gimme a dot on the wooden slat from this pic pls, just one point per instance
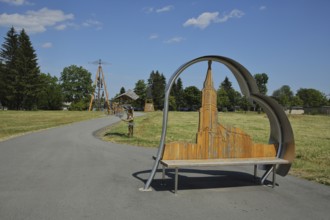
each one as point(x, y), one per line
point(223, 162)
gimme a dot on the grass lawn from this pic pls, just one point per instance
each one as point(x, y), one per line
point(311, 132)
point(13, 123)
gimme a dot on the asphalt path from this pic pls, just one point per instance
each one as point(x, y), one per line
point(68, 173)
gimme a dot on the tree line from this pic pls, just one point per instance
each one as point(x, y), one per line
point(24, 87)
point(228, 99)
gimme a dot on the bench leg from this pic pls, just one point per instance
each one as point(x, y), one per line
point(266, 174)
point(176, 180)
point(274, 175)
point(163, 176)
point(255, 171)
point(271, 169)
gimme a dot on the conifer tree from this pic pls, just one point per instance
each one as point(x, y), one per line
point(19, 72)
point(158, 83)
point(28, 73)
point(141, 90)
point(8, 71)
point(177, 95)
point(227, 96)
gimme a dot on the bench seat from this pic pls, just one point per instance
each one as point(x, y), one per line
point(176, 164)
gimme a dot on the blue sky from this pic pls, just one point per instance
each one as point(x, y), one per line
point(287, 40)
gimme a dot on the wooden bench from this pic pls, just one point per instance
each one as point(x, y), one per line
point(176, 164)
point(220, 145)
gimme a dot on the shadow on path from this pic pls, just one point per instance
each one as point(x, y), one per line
point(200, 179)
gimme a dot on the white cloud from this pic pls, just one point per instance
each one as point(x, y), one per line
point(261, 8)
point(61, 27)
point(35, 21)
point(47, 45)
point(174, 40)
point(165, 9)
point(153, 36)
point(206, 18)
point(16, 2)
point(203, 20)
point(149, 10)
point(92, 23)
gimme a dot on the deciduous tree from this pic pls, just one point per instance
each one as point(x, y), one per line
point(193, 97)
point(261, 80)
point(50, 95)
point(77, 86)
point(312, 97)
point(284, 96)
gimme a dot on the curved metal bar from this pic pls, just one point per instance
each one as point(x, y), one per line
point(279, 124)
point(281, 131)
point(165, 118)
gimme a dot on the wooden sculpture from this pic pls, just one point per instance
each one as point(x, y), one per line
point(213, 140)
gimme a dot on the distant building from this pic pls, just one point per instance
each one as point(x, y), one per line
point(324, 110)
point(295, 110)
point(127, 97)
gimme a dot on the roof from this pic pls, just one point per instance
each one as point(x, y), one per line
point(129, 94)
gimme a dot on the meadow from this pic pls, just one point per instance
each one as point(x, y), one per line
point(15, 123)
point(311, 132)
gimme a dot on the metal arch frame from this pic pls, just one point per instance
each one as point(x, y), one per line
point(280, 128)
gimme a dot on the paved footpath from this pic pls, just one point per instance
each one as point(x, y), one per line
point(66, 173)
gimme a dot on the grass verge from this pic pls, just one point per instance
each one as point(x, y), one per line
point(311, 132)
point(14, 123)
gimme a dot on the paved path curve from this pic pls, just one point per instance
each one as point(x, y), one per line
point(66, 173)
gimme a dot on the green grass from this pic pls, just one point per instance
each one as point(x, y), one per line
point(311, 132)
point(14, 123)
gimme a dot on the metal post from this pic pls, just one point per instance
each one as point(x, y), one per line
point(176, 180)
point(255, 172)
point(163, 175)
point(264, 177)
point(274, 175)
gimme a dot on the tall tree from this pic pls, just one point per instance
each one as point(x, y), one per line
point(193, 97)
point(312, 97)
point(141, 90)
point(222, 99)
point(50, 95)
point(296, 101)
point(245, 104)
point(228, 97)
point(172, 101)
point(179, 94)
point(157, 83)
point(28, 73)
point(122, 90)
point(77, 86)
point(3, 100)
point(284, 96)
point(261, 80)
point(8, 73)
